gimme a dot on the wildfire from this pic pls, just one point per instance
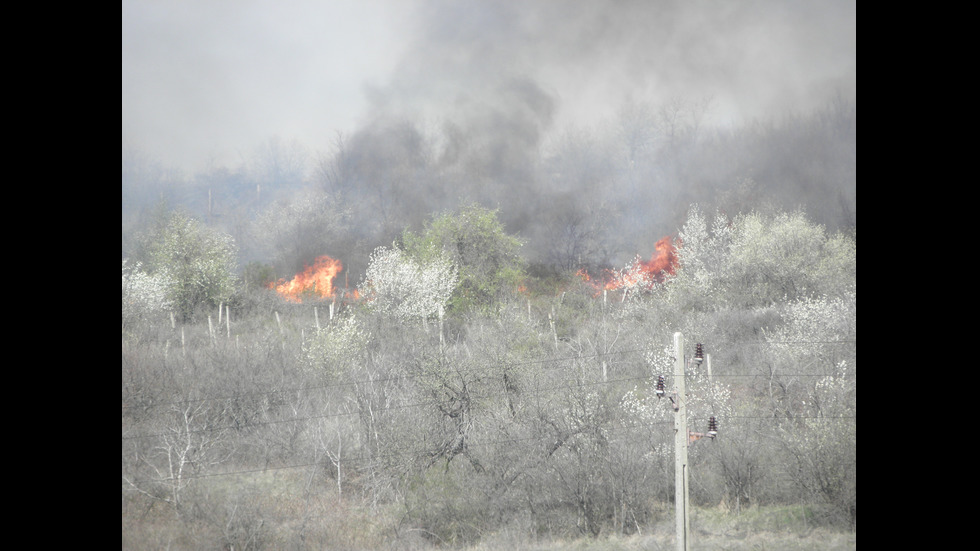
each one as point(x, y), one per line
point(663, 262)
point(640, 273)
point(316, 280)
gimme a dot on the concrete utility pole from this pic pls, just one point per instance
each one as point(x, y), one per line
point(680, 447)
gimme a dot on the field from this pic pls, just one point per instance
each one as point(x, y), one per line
point(483, 416)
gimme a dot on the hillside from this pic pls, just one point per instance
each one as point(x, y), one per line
point(458, 399)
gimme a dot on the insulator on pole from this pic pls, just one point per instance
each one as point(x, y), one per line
point(699, 354)
point(660, 387)
point(712, 427)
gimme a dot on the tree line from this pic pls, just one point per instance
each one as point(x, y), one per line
point(577, 197)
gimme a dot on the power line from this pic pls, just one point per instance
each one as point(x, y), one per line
point(512, 363)
point(534, 391)
point(456, 371)
point(407, 451)
point(407, 376)
point(400, 452)
point(527, 391)
point(438, 402)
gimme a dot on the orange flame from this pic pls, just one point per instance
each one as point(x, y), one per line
point(316, 280)
point(662, 263)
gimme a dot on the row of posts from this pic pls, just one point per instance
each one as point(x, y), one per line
point(226, 312)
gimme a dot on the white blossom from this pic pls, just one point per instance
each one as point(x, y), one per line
point(143, 294)
point(197, 261)
point(336, 345)
point(403, 287)
point(812, 328)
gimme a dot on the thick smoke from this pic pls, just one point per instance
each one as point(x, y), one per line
point(591, 125)
point(756, 59)
point(585, 122)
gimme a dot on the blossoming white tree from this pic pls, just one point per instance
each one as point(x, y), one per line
point(143, 295)
point(406, 288)
point(198, 262)
point(338, 346)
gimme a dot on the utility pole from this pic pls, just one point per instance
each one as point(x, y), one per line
point(681, 439)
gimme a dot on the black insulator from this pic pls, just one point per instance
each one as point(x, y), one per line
point(699, 353)
point(660, 386)
point(712, 426)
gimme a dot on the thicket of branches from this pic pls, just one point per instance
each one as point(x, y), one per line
point(270, 424)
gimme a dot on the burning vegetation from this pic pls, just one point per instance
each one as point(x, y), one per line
point(314, 281)
point(642, 274)
point(317, 281)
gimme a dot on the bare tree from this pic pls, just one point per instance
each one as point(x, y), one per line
point(184, 450)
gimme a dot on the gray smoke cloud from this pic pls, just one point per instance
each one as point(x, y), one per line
point(569, 116)
point(754, 58)
point(203, 80)
point(209, 81)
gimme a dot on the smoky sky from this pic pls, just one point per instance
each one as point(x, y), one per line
point(207, 81)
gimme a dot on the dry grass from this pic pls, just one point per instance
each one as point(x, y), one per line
point(265, 510)
point(816, 540)
point(327, 522)
point(285, 510)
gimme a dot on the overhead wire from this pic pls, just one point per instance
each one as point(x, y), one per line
point(428, 403)
point(381, 380)
point(729, 419)
point(414, 451)
point(532, 391)
point(511, 363)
